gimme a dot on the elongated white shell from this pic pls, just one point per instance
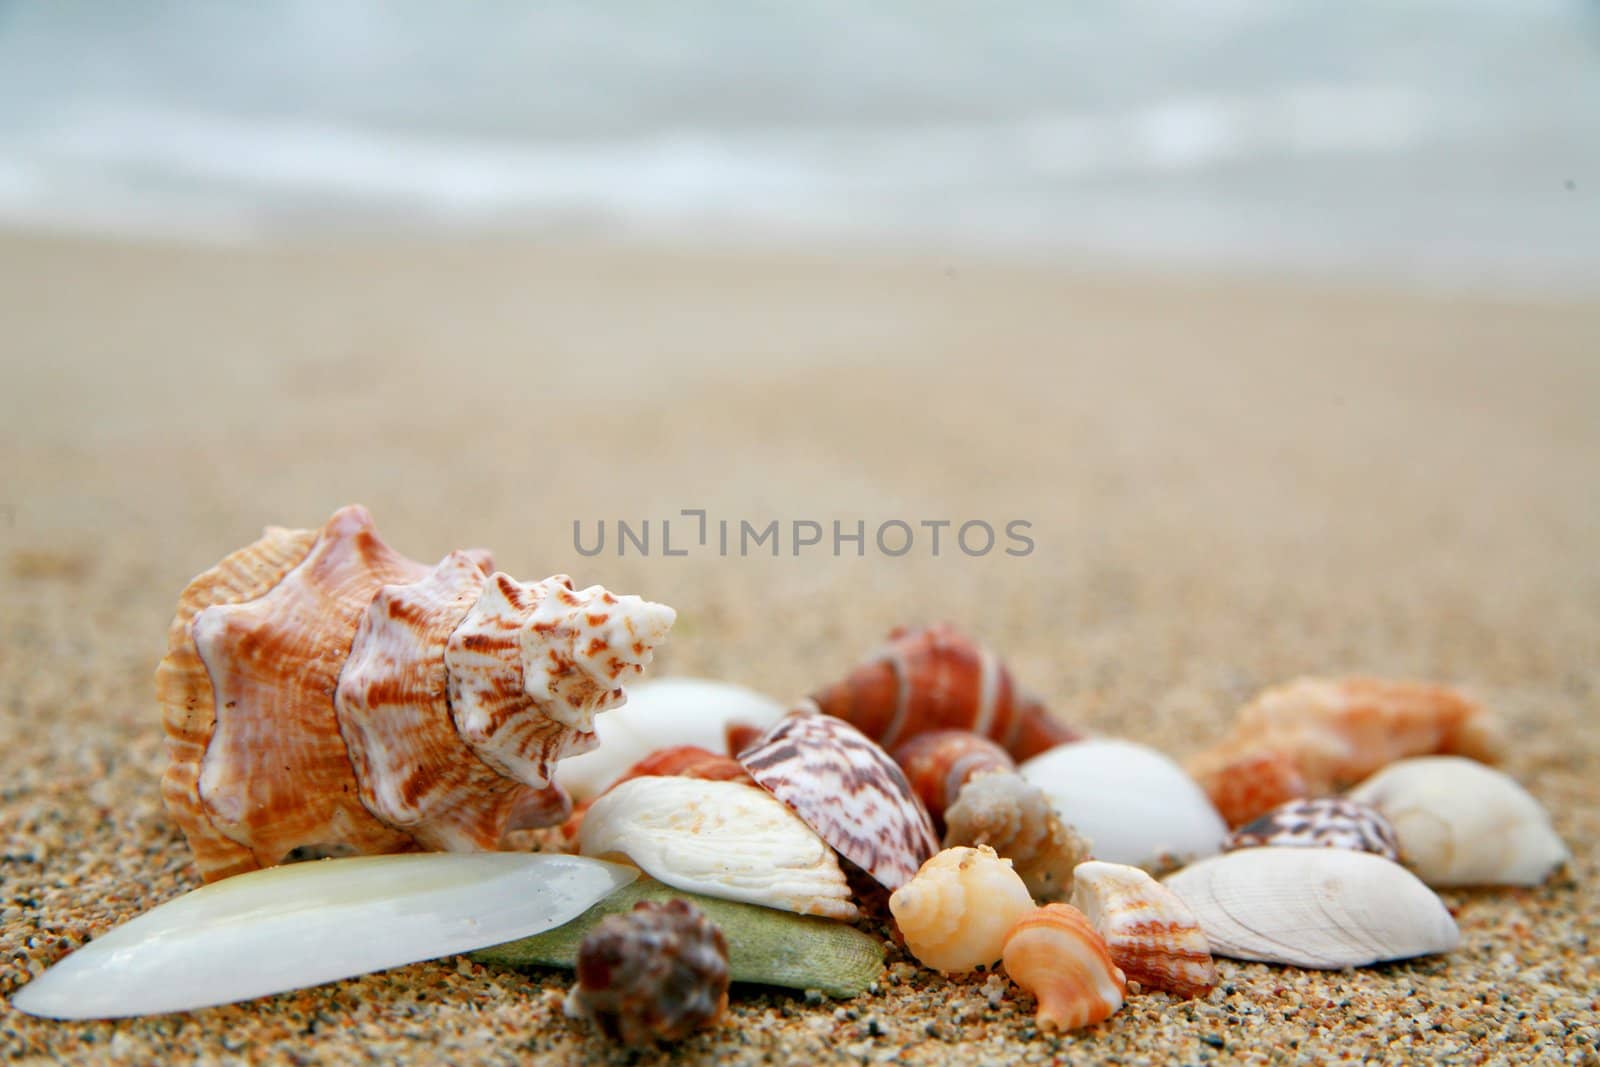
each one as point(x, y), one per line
point(1134, 804)
point(305, 924)
point(723, 839)
point(1324, 908)
point(1461, 823)
point(662, 714)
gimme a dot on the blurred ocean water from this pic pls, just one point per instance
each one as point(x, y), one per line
point(1445, 142)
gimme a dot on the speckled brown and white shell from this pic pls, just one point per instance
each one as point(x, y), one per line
point(324, 695)
point(1326, 822)
point(848, 790)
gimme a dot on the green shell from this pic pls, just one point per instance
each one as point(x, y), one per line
point(764, 945)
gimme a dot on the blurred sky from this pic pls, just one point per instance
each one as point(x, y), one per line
point(1442, 141)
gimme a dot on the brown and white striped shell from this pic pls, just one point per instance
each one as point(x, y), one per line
point(1316, 736)
point(937, 678)
point(848, 790)
point(324, 695)
point(1325, 822)
point(1152, 935)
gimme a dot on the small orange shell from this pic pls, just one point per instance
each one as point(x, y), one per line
point(938, 764)
point(1245, 784)
point(1333, 733)
point(1152, 935)
point(1056, 955)
point(939, 679)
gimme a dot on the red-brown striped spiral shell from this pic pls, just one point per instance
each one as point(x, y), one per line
point(938, 764)
point(937, 678)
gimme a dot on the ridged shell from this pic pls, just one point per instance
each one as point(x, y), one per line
point(938, 764)
point(1153, 937)
point(184, 691)
point(848, 790)
point(685, 761)
point(1015, 818)
point(955, 913)
point(723, 839)
point(313, 708)
point(1335, 732)
point(1136, 805)
point(663, 714)
point(1056, 955)
point(1326, 822)
point(937, 678)
point(1461, 823)
point(1323, 908)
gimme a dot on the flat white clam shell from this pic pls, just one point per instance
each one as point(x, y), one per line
point(1462, 823)
point(305, 924)
point(1135, 805)
point(660, 714)
point(1323, 908)
point(723, 839)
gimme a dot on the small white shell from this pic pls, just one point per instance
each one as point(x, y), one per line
point(1461, 823)
point(662, 714)
point(723, 839)
point(1134, 804)
point(1324, 908)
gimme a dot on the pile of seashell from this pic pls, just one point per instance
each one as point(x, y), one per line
point(325, 696)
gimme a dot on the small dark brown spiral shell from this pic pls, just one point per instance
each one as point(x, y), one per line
point(937, 678)
point(658, 973)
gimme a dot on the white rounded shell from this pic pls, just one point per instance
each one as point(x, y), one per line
point(661, 714)
point(1324, 908)
point(1462, 823)
point(723, 839)
point(956, 912)
point(1134, 804)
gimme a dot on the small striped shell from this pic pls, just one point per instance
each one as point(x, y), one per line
point(848, 790)
point(938, 678)
point(1326, 822)
point(955, 913)
point(938, 764)
point(723, 839)
point(1055, 954)
point(1153, 936)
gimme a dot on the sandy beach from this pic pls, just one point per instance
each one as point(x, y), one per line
point(1226, 484)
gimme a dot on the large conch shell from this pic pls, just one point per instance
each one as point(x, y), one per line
point(324, 695)
point(938, 678)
